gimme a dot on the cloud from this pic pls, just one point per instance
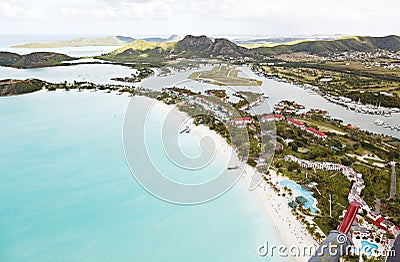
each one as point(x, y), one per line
point(103, 12)
point(203, 16)
point(11, 10)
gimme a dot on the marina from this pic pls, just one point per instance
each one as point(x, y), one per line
point(362, 108)
point(381, 123)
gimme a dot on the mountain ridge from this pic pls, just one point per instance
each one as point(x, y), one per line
point(204, 47)
point(355, 43)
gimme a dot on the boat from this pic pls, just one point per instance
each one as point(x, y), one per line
point(233, 167)
point(379, 122)
point(186, 130)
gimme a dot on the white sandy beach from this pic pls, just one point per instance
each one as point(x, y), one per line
point(275, 208)
point(226, 152)
point(278, 213)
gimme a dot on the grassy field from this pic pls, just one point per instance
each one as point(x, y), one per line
point(359, 66)
point(353, 79)
point(224, 76)
point(142, 45)
point(269, 44)
point(324, 127)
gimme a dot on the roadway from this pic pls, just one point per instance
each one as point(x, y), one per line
point(393, 185)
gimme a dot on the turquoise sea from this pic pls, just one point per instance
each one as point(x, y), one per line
point(66, 192)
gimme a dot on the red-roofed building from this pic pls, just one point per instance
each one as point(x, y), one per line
point(296, 123)
point(379, 221)
point(242, 122)
point(272, 118)
point(316, 132)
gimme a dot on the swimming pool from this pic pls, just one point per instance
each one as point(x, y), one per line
point(367, 247)
point(299, 191)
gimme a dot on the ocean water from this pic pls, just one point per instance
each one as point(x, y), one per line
point(66, 192)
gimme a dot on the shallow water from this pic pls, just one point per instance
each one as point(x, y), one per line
point(66, 192)
point(95, 73)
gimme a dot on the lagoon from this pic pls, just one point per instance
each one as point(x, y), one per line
point(67, 193)
point(95, 73)
point(277, 91)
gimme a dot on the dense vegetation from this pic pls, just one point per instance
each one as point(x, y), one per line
point(363, 44)
point(204, 47)
point(351, 80)
point(340, 148)
point(17, 87)
point(189, 47)
point(374, 98)
point(32, 60)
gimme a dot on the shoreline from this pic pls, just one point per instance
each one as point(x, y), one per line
point(274, 208)
point(366, 126)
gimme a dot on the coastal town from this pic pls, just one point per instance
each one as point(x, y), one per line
point(371, 228)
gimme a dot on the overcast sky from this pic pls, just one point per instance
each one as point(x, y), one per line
point(209, 17)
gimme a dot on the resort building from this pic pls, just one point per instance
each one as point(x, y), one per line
point(381, 222)
point(292, 204)
point(272, 118)
point(242, 122)
point(296, 123)
point(361, 232)
point(316, 132)
point(301, 200)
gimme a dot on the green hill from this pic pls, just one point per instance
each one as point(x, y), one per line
point(359, 43)
point(142, 45)
point(204, 47)
point(79, 42)
point(271, 44)
point(32, 60)
point(16, 87)
point(189, 47)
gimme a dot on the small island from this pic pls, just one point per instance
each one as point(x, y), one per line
point(33, 60)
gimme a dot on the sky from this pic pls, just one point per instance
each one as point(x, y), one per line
point(208, 17)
